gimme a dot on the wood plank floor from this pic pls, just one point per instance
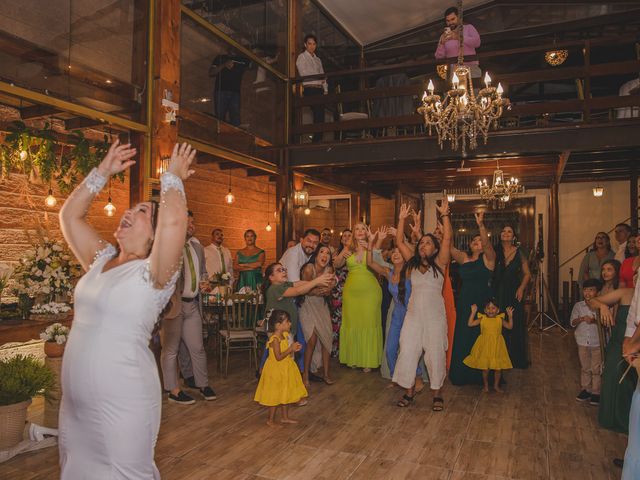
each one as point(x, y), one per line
point(353, 430)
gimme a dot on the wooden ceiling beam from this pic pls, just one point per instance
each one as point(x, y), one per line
point(80, 123)
point(37, 111)
point(585, 137)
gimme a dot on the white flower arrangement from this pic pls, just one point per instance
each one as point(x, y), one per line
point(56, 333)
point(52, 308)
point(48, 269)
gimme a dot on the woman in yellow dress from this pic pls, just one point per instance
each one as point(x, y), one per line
point(490, 350)
point(280, 383)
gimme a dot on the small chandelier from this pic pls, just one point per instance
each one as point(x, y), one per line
point(556, 57)
point(461, 117)
point(598, 191)
point(500, 192)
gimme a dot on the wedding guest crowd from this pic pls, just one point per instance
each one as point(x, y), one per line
point(318, 302)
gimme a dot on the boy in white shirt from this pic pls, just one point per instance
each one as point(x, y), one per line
point(588, 340)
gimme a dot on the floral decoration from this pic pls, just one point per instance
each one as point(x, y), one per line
point(55, 333)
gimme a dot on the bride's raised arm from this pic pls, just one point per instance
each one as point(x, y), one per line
point(82, 238)
point(171, 230)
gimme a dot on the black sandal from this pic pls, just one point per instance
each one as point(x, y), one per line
point(438, 404)
point(405, 401)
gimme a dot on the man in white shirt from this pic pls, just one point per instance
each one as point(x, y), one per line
point(218, 258)
point(295, 257)
point(308, 63)
point(182, 327)
point(622, 233)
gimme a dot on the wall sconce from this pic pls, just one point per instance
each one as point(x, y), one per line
point(301, 198)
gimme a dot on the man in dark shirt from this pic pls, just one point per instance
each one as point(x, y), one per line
point(227, 70)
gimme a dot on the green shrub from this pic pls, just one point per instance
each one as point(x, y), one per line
point(21, 378)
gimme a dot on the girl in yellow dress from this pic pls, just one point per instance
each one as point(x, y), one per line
point(490, 350)
point(280, 383)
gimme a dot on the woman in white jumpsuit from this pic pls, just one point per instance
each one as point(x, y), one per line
point(425, 325)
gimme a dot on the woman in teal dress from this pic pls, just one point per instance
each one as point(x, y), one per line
point(475, 269)
point(361, 329)
point(249, 262)
point(510, 280)
point(615, 397)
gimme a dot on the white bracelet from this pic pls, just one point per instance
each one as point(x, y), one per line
point(169, 181)
point(95, 182)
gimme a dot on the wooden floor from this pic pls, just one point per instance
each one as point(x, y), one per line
point(353, 430)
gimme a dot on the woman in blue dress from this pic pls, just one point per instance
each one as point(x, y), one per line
point(400, 295)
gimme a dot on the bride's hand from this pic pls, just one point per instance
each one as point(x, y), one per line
point(117, 159)
point(181, 159)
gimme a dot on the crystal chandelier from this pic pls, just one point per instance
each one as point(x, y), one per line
point(500, 192)
point(461, 117)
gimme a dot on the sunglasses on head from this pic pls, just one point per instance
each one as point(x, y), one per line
point(281, 269)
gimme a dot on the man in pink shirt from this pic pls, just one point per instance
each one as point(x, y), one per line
point(448, 44)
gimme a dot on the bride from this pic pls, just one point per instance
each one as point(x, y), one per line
point(110, 412)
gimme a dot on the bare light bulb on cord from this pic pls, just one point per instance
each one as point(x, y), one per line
point(229, 197)
point(307, 211)
point(50, 201)
point(268, 228)
point(110, 208)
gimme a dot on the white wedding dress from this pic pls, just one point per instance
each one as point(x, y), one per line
point(111, 394)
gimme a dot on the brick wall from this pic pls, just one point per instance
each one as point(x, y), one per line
point(253, 207)
point(23, 212)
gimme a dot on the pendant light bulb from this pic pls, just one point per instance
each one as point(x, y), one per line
point(268, 228)
point(23, 155)
point(110, 208)
point(598, 191)
point(307, 211)
point(50, 201)
point(229, 198)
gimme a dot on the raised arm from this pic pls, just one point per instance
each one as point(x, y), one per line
point(444, 256)
point(374, 243)
point(171, 229)
point(83, 240)
point(473, 321)
point(471, 36)
point(508, 323)
point(526, 277)
point(487, 248)
point(458, 255)
point(405, 250)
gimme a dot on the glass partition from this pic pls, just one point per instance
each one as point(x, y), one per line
point(90, 52)
point(226, 99)
point(337, 50)
point(259, 25)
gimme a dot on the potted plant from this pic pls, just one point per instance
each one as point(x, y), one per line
point(21, 378)
point(55, 338)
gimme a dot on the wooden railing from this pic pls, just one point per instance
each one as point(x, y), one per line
point(583, 109)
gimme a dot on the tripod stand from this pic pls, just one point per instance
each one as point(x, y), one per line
point(542, 316)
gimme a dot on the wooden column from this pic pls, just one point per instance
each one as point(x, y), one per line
point(284, 204)
point(553, 243)
point(143, 15)
point(633, 194)
point(364, 205)
point(166, 76)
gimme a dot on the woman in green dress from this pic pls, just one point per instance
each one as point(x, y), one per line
point(475, 269)
point(615, 397)
point(510, 280)
point(249, 262)
point(361, 329)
